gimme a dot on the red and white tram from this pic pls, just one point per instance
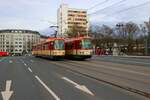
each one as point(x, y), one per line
point(53, 48)
point(78, 47)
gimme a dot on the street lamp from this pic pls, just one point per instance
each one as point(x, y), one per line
point(145, 40)
point(119, 28)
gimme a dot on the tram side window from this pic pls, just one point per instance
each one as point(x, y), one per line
point(46, 47)
point(35, 48)
point(40, 47)
point(43, 47)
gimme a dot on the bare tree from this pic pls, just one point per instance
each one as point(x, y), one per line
point(107, 31)
point(103, 36)
point(103, 31)
point(131, 29)
point(97, 32)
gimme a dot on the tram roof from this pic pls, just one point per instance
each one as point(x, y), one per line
point(53, 39)
point(76, 38)
point(48, 40)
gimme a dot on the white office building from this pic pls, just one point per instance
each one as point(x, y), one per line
point(68, 17)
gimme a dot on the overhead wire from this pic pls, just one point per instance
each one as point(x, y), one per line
point(130, 8)
point(98, 4)
point(114, 4)
point(127, 9)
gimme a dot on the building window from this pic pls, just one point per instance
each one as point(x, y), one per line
point(20, 46)
point(20, 42)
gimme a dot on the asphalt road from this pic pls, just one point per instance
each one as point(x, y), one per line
point(125, 60)
point(30, 78)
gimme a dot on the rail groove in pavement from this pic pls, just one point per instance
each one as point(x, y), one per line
point(133, 90)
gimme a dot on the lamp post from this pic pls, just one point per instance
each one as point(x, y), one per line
point(145, 40)
point(120, 28)
point(148, 35)
point(87, 24)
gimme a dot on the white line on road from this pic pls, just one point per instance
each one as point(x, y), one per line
point(30, 69)
point(7, 93)
point(80, 87)
point(47, 88)
point(70, 81)
point(25, 64)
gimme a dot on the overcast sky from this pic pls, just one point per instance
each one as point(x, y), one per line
point(36, 14)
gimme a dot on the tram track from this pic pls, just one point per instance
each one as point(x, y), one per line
point(128, 88)
point(95, 69)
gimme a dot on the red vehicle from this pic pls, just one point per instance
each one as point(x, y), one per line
point(100, 51)
point(4, 54)
point(78, 47)
point(52, 48)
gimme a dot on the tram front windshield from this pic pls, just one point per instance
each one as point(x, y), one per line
point(59, 44)
point(86, 44)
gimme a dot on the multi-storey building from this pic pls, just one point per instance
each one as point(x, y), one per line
point(43, 38)
point(18, 41)
point(68, 18)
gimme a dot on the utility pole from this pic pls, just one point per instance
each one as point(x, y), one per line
point(147, 37)
point(145, 40)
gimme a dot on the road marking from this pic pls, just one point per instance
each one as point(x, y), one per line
point(25, 64)
point(22, 62)
point(80, 87)
point(7, 93)
point(47, 88)
point(30, 69)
